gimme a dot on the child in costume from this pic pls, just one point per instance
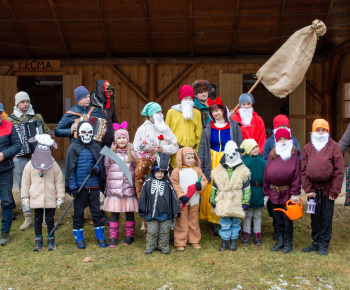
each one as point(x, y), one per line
point(186, 178)
point(120, 193)
point(43, 188)
point(256, 164)
point(230, 194)
point(282, 183)
point(82, 155)
point(322, 173)
point(158, 204)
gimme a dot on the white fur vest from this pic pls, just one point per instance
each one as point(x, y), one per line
point(229, 196)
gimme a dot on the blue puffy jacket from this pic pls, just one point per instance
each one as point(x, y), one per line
point(10, 145)
point(84, 163)
point(63, 127)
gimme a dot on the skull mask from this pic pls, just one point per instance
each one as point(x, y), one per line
point(232, 156)
point(85, 131)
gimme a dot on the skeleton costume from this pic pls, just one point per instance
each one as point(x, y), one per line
point(158, 203)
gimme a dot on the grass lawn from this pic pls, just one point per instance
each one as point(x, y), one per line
point(250, 267)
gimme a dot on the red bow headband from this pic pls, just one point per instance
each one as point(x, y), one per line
point(217, 101)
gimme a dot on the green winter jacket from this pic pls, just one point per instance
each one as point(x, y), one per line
point(204, 112)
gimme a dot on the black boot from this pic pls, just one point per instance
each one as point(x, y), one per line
point(51, 246)
point(279, 245)
point(105, 219)
point(311, 248)
point(224, 245)
point(233, 245)
point(287, 245)
point(39, 243)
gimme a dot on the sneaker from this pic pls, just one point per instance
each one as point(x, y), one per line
point(245, 239)
point(196, 246)
point(257, 239)
point(180, 248)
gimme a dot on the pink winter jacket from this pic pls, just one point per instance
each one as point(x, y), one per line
point(117, 184)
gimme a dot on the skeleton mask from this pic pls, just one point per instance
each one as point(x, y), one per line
point(108, 89)
point(85, 131)
point(232, 156)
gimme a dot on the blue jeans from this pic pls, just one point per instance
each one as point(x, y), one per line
point(7, 202)
point(20, 163)
point(230, 227)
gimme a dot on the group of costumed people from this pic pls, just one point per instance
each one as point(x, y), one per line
point(202, 157)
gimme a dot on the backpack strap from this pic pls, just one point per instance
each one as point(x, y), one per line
point(90, 111)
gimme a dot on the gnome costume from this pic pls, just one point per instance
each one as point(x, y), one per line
point(158, 204)
point(43, 188)
point(82, 155)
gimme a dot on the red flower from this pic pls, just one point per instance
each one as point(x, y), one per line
point(160, 137)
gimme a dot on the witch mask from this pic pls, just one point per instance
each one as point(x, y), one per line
point(41, 158)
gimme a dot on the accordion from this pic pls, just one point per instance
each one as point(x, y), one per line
point(25, 131)
point(98, 125)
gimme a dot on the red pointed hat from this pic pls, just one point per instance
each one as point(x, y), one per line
point(282, 133)
point(280, 120)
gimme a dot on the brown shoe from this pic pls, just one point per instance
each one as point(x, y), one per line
point(196, 246)
point(180, 248)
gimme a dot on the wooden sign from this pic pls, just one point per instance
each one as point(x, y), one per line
point(36, 65)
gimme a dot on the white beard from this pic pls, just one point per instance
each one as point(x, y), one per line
point(159, 122)
point(187, 109)
point(284, 150)
point(246, 116)
point(319, 141)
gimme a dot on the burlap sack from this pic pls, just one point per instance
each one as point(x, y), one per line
point(285, 70)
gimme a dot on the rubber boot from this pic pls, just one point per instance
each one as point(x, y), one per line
point(129, 233)
point(233, 245)
point(5, 238)
point(39, 243)
point(79, 238)
point(113, 234)
point(311, 248)
point(224, 245)
point(279, 245)
point(287, 243)
point(28, 221)
point(100, 236)
point(51, 245)
point(245, 239)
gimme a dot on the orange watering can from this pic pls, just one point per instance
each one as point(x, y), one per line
point(294, 210)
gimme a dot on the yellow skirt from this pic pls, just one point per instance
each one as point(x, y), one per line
point(205, 208)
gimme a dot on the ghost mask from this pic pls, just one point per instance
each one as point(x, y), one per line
point(41, 158)
point(85, 132)
point(232, 154)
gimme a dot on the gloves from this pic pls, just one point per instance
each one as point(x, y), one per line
point(59, 201)
point(184, 199)
point(198, 186)
point(93, 171)
point(25, 204)
point(245, 207)
point(295, 198)
point(74, 192)
point(266, 198)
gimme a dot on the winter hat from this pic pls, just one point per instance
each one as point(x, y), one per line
point(246, 98)
point(282, 133)
point(200, 86)
point(21, 96)
point(120, 130)
point(147, 145)
point(186, 91)
point(280, 120)
point(248, 145)
point(155, 169)
point(2, 108)
point(80, 92)
point(150, 109)
point(320, 123)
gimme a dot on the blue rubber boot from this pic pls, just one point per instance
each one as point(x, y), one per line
point(79, 238)
point(100, 236)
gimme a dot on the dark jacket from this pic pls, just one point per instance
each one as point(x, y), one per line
point(10, 145)
point(345, 140)
point(204, 146)
point(324, 169)
point(63, 127)
point(270, 144)
point(282, 173)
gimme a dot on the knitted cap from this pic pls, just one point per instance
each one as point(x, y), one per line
point(147, 145)
point(80, 92)
point(282, 133)
point(280, 120)
point(248, 145)
point(21, 96)
point(186, 91)
point(2, 108)
point(320, 123)
point(120, 132)
point(246, 98)
point(150, 109)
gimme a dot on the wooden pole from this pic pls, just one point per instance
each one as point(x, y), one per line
point(251, 89)
point(152, 82)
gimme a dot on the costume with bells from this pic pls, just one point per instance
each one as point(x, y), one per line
point(43, 188)
point(82, 155)
point(230, 194)
point(158, 204)
point(185, 180)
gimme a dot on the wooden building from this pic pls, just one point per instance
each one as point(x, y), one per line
point(148, 49)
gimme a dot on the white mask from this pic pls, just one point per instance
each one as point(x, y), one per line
point(159, 122)
point(187, 109)
point(232, 157)
point(246, 116)
point(86, 133)
point(284, 150)
point(319, 141)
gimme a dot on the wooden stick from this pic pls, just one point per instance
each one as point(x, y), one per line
point(252, 88)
